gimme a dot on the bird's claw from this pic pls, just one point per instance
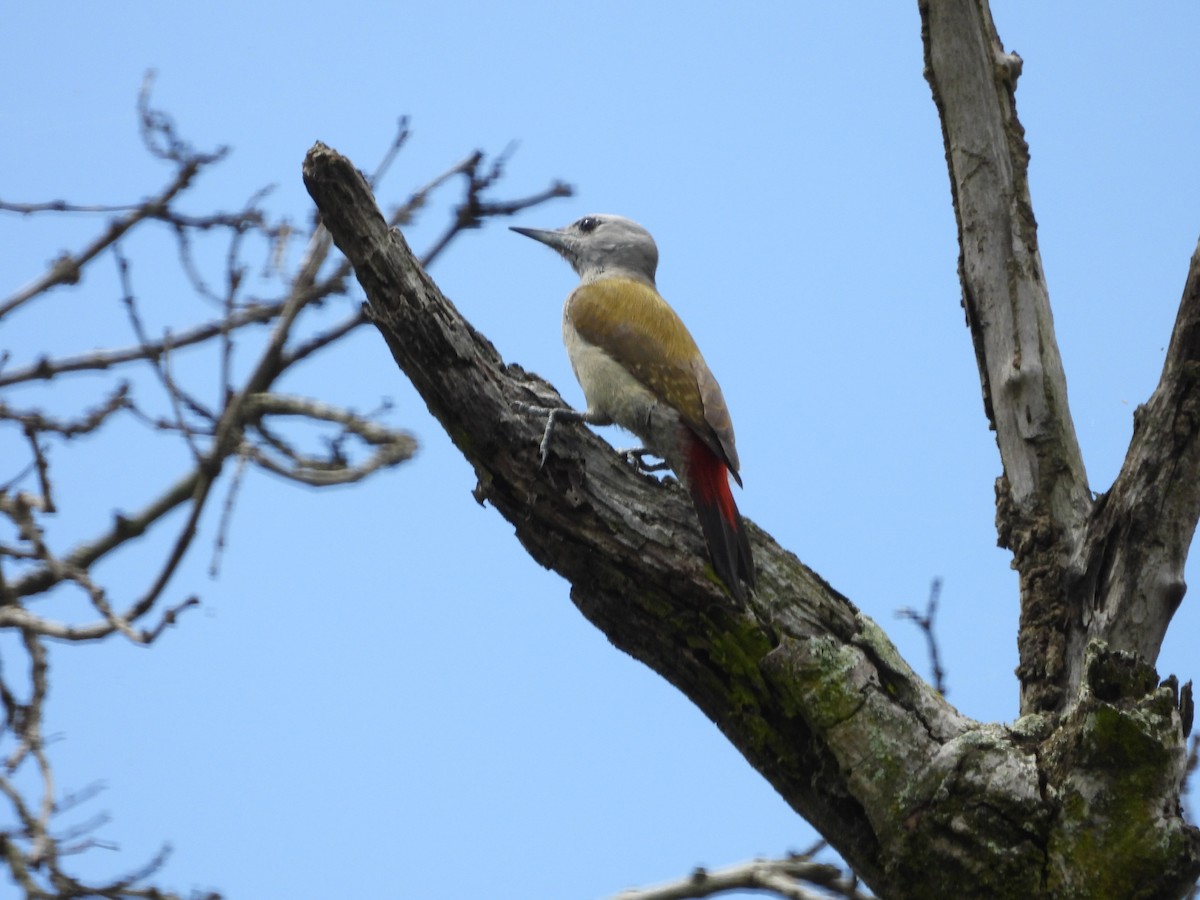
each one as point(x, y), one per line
point(552, 414)
point(636, 457)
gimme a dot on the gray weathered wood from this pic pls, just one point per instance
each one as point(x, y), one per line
point(1079, 798)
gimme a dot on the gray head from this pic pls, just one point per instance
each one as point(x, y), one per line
point(600, 245)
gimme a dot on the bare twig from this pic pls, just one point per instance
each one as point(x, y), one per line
point(68, 268)
point(403, 133)
point(42, 467)
point(123, 529)
point(795, 877)
point(65, 207)
point(45, 368)
point(160, 136)
point(392, 447)
point(223, 526)
point(924, 621)
point(37, 422)
point(158, 363)
point(326, 338)
point(473, 209)
point(239, 424)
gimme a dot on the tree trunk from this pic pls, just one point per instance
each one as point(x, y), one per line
point(1079, 797)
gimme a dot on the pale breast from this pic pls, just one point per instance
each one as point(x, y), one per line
point(640, 368)
point(611, 392)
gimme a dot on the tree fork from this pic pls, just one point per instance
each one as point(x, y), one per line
point(921, 801)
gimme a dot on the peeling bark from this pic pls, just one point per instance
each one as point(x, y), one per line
point(1111, 568)
point(1042, 499)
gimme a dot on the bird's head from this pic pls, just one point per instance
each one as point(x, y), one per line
point(602, 245)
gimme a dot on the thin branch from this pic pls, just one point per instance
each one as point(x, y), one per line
point(160, 136)
point(20, 511)
point(100, 602)
point(483, 210)
point(38, 422)
point(403, 133)
point(68, 268)
point(417, 200)
point(392, 447)
point(225, 441)
point(318, 342)
point(794, 877)
point(237, 426)
point(925, 621)
point(20, 618)
point(45, 368)
point(29, 732)
point(124, 528)
point(226, 521)
point(473, 209)
point(159, 363)
point(42, 467)
point(63, 206)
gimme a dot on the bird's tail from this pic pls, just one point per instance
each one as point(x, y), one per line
point(728, 545)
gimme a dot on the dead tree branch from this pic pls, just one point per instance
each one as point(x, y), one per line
point(1042, 499)
point(794, 877)
point(1109, 569)
point(918, 799)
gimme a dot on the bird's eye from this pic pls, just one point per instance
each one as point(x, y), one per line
point(587, 224)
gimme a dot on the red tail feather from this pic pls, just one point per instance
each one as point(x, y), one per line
point(728, 545)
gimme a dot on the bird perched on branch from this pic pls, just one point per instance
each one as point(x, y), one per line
point(640, 368)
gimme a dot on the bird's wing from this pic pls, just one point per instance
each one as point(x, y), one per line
point(630, 321)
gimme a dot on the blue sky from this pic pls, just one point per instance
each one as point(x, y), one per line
point(353, 707)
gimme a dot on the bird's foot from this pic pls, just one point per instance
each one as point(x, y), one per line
point(636, 456)
point(553, 414)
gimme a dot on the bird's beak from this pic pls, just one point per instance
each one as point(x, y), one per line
point(555, 239)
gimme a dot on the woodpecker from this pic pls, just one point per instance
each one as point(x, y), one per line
point(640, 368)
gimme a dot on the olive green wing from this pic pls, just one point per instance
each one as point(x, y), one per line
point(630, 321)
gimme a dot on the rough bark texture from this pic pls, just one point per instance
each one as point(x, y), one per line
point(1042, 500)
point(1127, 578)
point(1079, 797)
point(1109, 569)
point(920, 800)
